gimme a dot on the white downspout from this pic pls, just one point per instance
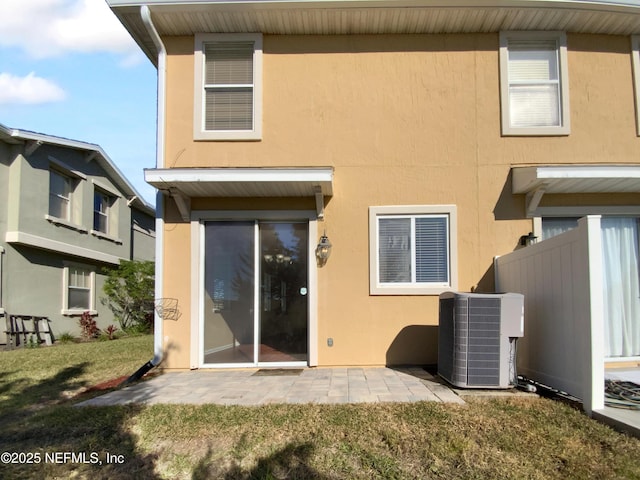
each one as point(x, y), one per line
point(1, 292)
point(158, 339)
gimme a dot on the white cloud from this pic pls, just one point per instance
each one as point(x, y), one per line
point(28, 90)
point(48, 28)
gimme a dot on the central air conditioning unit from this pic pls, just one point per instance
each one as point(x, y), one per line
point(477, 338)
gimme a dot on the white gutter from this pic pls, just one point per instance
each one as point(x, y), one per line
point(158, 339)
point(606, 5)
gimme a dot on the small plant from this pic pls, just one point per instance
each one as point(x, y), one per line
point(32, 342)
point(66, 337)
point(88, 327)
point(110, 331)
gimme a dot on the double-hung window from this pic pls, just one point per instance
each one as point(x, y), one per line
point(105, 212)
point(228, 76)
point(635, 58)
point(79, 287)
point(101, 205)
point(60, 188)
point(65, 194)
point(412, 249)
point(534, 83)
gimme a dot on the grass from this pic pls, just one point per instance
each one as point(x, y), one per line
point(497, 439)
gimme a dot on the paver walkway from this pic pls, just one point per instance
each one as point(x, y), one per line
point(311, 385)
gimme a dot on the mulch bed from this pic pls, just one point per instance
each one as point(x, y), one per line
point(108, 385)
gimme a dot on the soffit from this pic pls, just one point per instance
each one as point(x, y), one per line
point(576, 179)
point(243, 182)
point(376, 17)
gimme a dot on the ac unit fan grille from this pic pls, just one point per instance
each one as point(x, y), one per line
point(483, 342)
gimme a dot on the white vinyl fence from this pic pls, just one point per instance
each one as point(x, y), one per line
point(561, 280)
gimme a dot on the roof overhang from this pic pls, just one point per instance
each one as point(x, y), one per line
point(186, 183)
point(535, 181)
point(332, 17)
point(33, 140)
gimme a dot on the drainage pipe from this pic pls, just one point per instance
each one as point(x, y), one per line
point(158, 331)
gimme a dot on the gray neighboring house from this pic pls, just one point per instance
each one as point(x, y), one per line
point(66, 213)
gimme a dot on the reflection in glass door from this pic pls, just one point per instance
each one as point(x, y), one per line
point(245, 325)
point(283, 309)
point(228, 333)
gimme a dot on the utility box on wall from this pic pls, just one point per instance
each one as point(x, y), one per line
point(477, 338)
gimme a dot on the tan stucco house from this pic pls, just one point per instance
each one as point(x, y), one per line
point(418, 138)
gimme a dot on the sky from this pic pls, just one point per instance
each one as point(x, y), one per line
point(68, 68)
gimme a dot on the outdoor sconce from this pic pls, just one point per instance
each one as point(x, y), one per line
point(526, 240)
point(323, 250)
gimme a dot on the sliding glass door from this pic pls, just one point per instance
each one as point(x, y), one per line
point(621, 280)
point(255, 293)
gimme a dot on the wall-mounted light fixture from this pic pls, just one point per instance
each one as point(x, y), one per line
point(526, 240)
point(323, 250)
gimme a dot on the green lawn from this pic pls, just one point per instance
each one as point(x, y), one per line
point(510, 439)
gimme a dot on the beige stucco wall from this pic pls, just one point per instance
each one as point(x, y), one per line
point(403, 120)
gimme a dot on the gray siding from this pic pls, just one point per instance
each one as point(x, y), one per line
point(37, 247)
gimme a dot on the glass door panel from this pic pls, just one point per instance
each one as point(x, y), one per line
point(229, 279)
point(283, 294)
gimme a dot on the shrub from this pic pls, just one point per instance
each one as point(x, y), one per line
point(66, 337)
point(88, 327)
point(129, 294)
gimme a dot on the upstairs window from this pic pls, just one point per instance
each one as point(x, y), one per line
point(635, 58)
point(534, 83)
point(101, 206)
point(228, 71)
point(60, 188)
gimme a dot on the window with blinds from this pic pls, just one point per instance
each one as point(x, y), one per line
point(533, 76)
point(229, 86)
point(228, 69)
point(413, 249)
point(635, 62)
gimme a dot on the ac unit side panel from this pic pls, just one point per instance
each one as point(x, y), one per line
point(445, 338)
point(512, 315)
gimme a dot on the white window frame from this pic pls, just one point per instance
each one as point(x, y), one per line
point(199, 132)
point(107, 202)
point(68, 182)
point(412, 288)
point(75, 178)
point(66, 286)
point(563, 77)
point(635, 58)
point(112, 212)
